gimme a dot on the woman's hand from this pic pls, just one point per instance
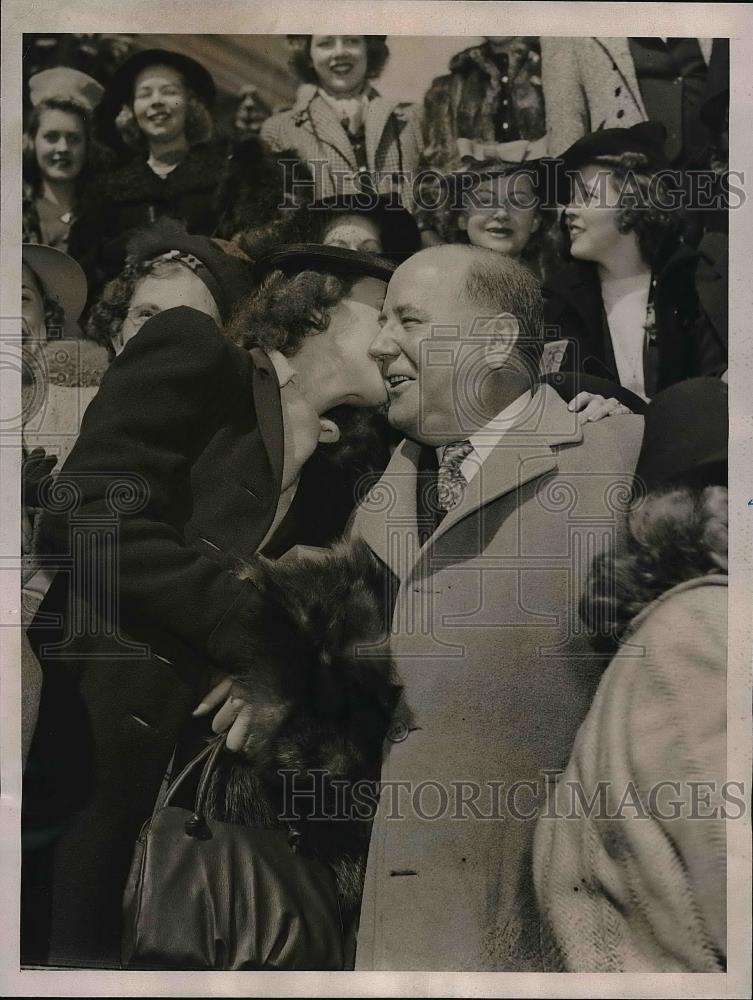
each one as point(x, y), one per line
point(590, 406)
point(235, 715)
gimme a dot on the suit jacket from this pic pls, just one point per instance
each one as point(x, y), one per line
point(311, 128)
point(174, 478)
point(497, 676)
point(591, 84)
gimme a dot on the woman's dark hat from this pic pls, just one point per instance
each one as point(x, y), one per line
point(198, 78)
point(686, 436)
point(399, 232)
point(228, 276)
point(646, 138)
point(296, 257)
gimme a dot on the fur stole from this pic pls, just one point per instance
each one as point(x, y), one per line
point(321, 680)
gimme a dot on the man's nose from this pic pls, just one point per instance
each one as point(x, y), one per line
point(384, 345)
point(61, 145)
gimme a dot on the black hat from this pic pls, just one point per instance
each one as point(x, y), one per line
point(686, 435)
point(295, 257)
point(198, 78)
point(647, 138)
point(399, 232)
point(228, 276)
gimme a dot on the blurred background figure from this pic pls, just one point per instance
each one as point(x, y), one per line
point(627, 302)
point(60, 155)
point(360, 221)
point(259, 189)
point(489, 102)
point(597, 83)
point(651, 880)
point(350, 136)
point(60, 375)
point(252, 112)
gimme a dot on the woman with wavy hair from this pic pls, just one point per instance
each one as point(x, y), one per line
point(348, 134)
point(627, 300)
point(629, 862)
point(160, 102)
point(60, 156)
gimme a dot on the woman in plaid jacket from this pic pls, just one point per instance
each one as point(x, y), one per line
point(350, 136)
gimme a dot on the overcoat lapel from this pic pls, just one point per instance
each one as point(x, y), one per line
point(319, 120)
point(377, 116)
point(387, 519)
point(618, 50)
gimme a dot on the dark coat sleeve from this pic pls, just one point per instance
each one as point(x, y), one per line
point(159, 403)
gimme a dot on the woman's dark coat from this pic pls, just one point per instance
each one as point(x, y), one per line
point(688, 342)
point(178, 464)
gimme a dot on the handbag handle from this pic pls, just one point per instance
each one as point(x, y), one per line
point(209, 756)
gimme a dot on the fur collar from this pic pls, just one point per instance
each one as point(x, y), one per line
point(199, 170)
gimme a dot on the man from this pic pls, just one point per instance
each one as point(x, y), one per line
point(188, 463)
point(490, 558)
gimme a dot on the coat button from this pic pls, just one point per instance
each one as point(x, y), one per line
point(397, 732)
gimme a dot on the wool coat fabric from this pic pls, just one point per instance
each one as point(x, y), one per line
point(646, 892)
point(392, 135)
point(178, 463)
point(690, 343)
point(590, 84)
point(497, 675)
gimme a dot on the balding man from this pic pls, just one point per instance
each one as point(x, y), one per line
point(488, 515)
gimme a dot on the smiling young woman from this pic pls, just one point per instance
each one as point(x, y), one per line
point(160, 103)
point(627, 300)
point(59, 154)
point(340, 124)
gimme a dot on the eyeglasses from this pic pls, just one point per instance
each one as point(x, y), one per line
point(138, 315)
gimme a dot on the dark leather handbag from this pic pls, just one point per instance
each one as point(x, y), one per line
point(204, 894)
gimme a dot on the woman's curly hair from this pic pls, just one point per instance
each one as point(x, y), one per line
point(107, 315)
point(285, 310)
point(675, 534)
point(377, 54)
point(97, 157)
point(199, 124)
point(645, 206)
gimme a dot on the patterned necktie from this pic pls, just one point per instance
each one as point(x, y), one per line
point(451, 482)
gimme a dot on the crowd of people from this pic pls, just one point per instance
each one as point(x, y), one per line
point(385, 442)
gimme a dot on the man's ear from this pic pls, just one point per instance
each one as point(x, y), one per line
point(329, 432)
point(502, 331)
point(462, 222)
point(536, 223)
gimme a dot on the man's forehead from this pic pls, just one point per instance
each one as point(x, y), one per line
point(423, 278)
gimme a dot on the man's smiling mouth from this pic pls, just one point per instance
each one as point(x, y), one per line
point(393, 381)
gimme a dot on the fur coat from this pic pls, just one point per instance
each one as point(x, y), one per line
point(320, 678)
point(466, 103)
